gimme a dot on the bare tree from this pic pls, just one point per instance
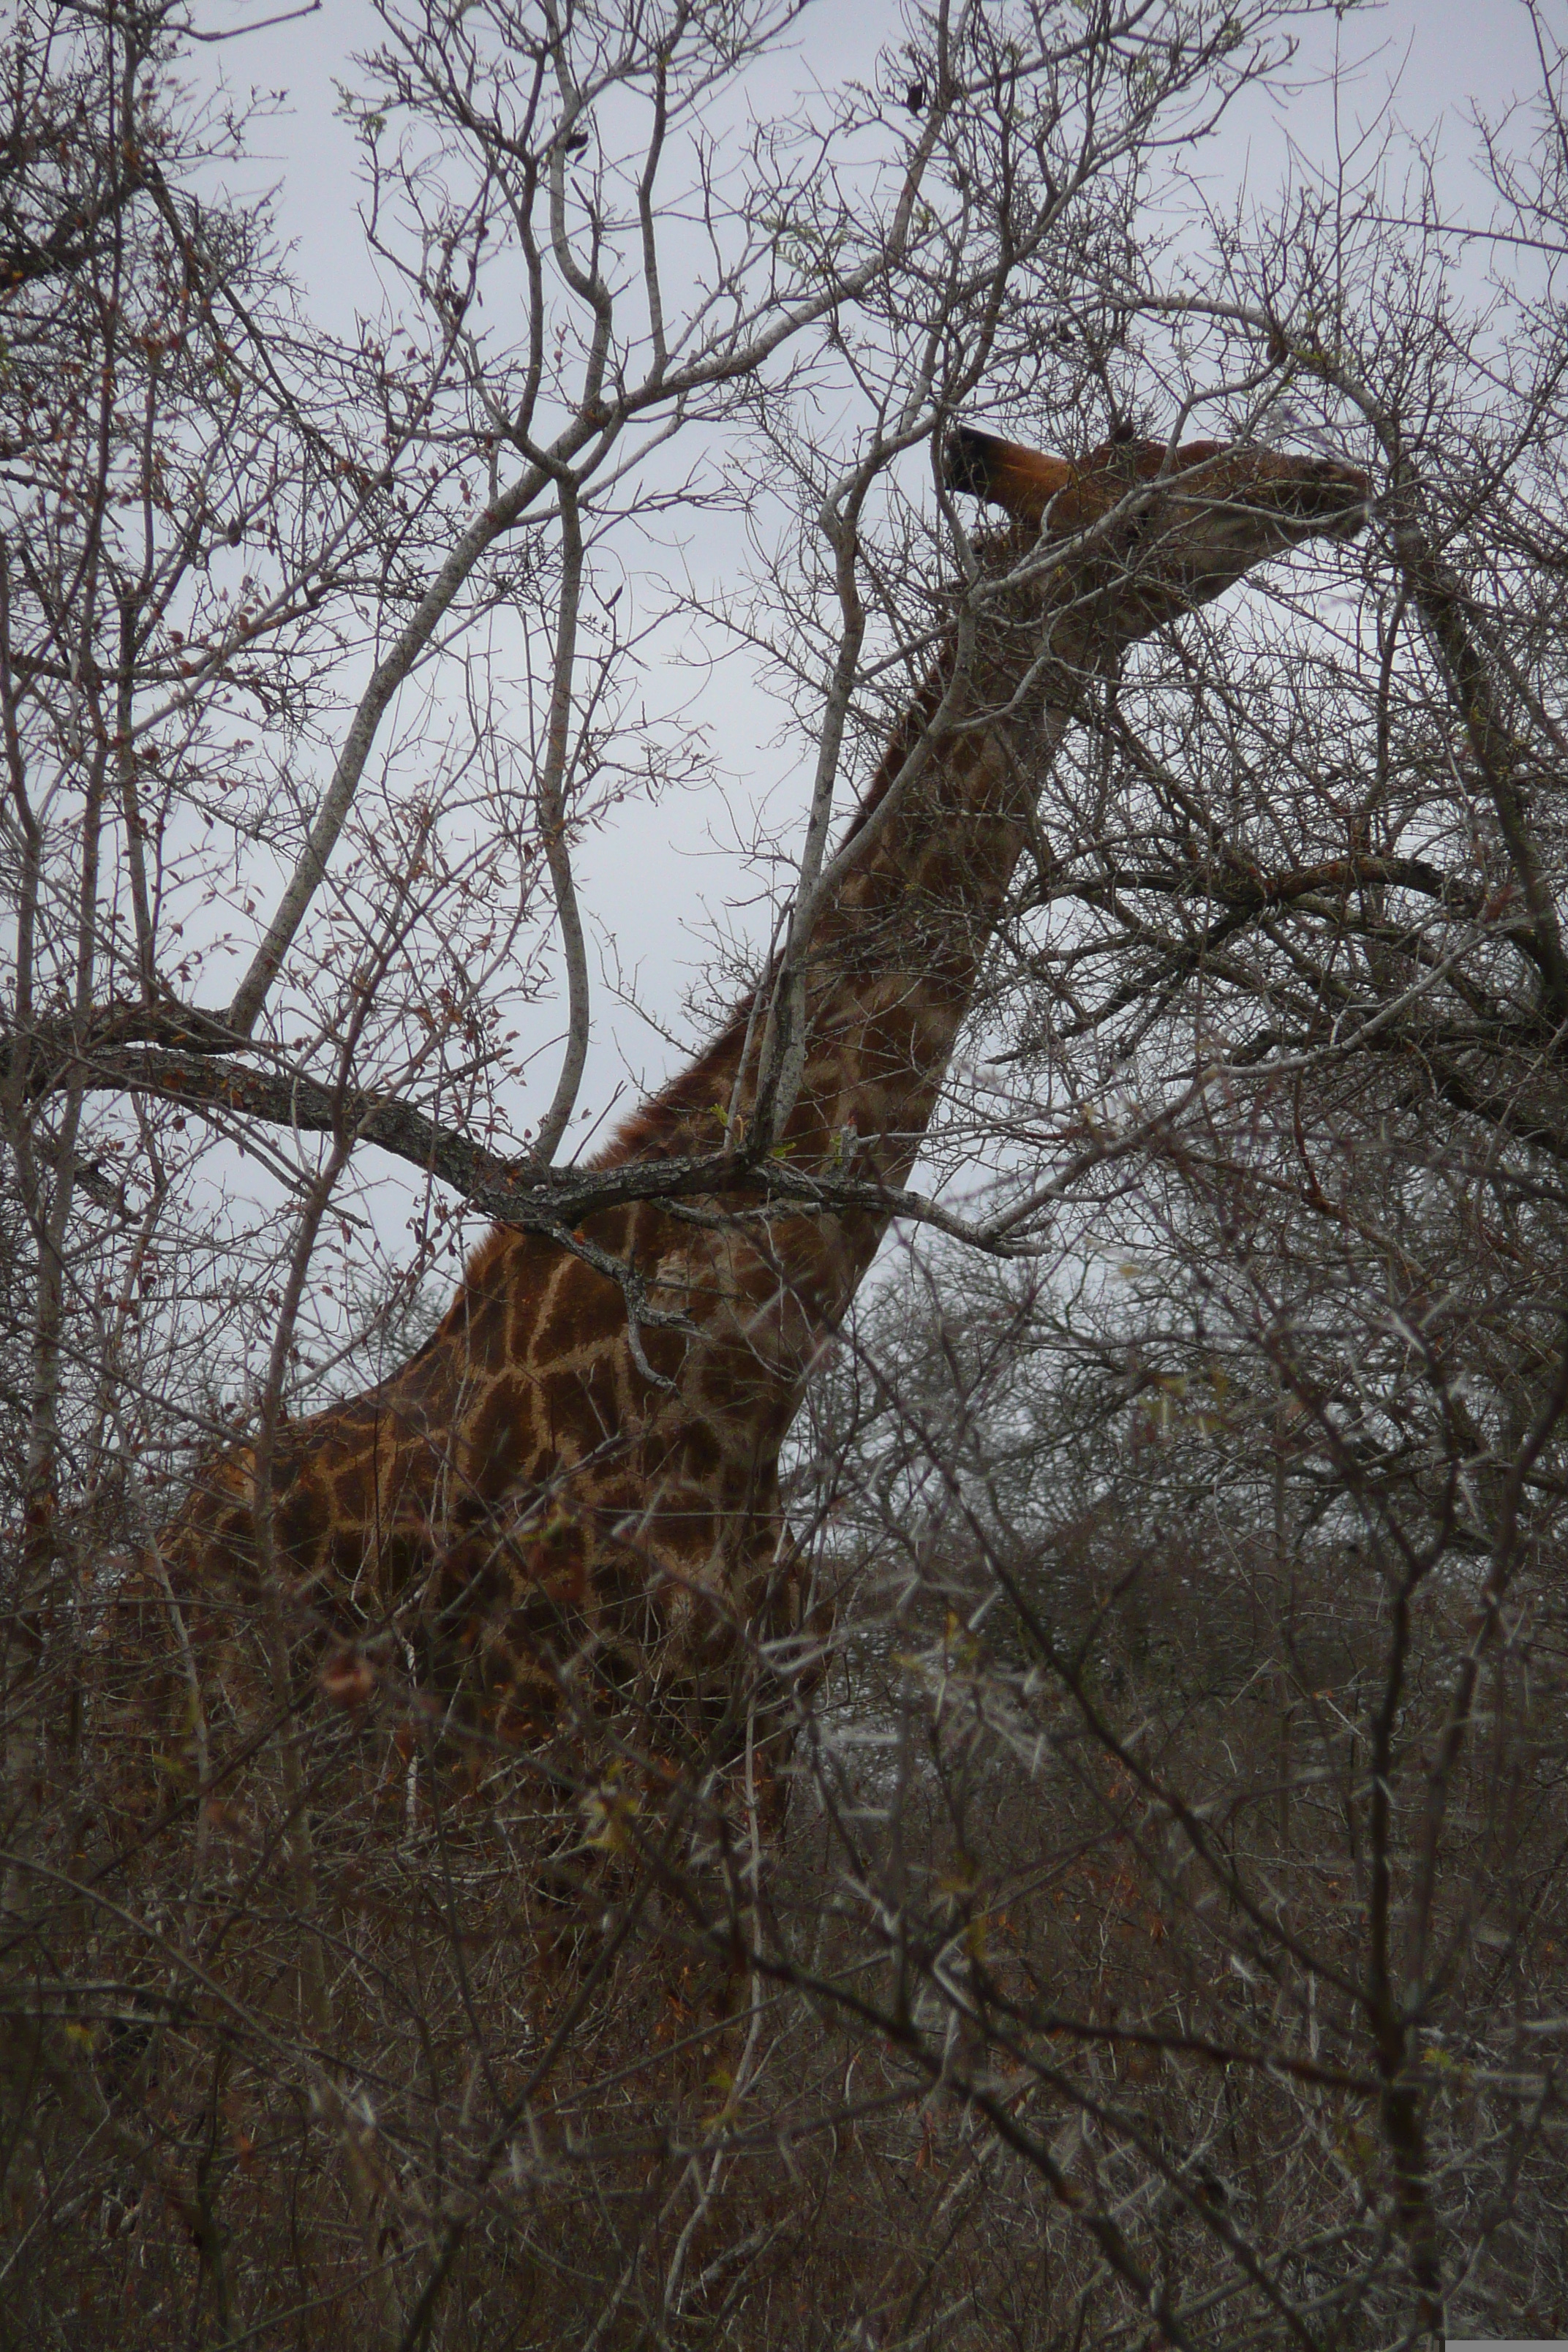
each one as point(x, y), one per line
point(1220, 1656)
point(1163, 1939)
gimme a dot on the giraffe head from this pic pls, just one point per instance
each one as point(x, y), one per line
point(1211, 511)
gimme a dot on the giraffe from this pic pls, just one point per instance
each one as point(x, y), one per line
point(551, 1499)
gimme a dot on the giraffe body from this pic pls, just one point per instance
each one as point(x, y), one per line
point(521, 1501)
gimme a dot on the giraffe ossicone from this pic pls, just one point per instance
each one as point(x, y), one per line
point(544, 1501)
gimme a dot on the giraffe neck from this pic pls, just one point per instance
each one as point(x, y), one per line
point(892, 968)
point(653, 1453)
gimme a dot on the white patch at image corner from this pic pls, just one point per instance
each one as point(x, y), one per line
point(1505, 2344)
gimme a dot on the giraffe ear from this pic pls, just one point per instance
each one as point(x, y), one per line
point(1012, 476)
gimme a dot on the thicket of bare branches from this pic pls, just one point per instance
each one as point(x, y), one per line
point(1159, 1937)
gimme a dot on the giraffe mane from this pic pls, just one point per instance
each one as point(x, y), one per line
point(662, 1126)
